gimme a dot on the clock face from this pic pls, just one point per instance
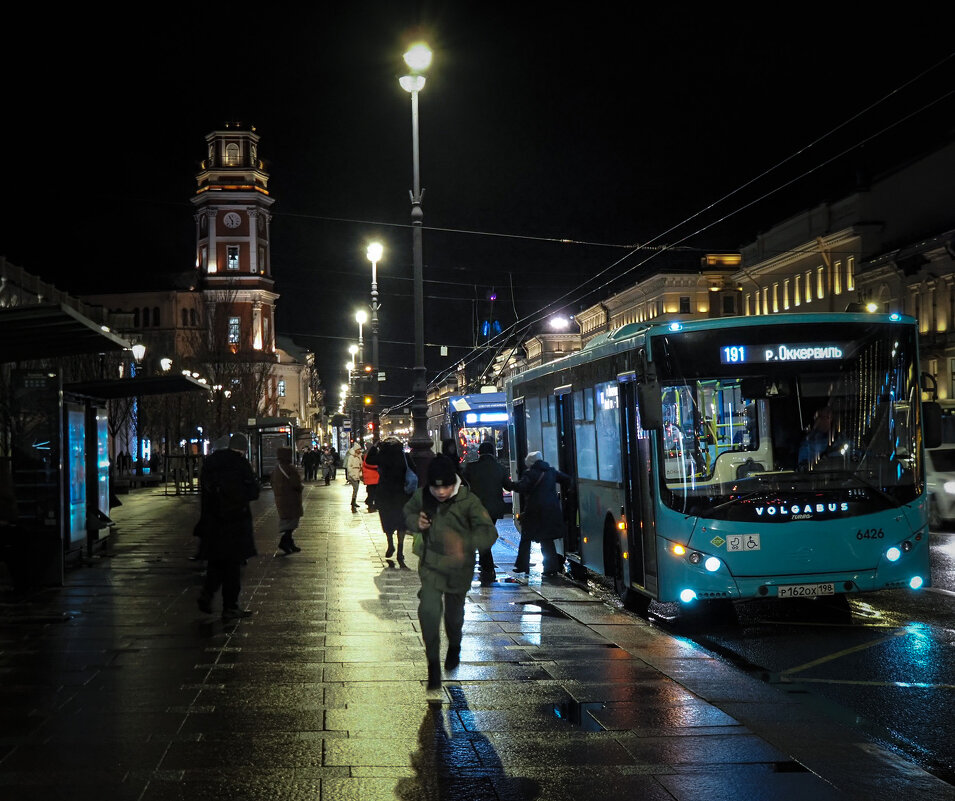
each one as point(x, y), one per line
point(232, 220)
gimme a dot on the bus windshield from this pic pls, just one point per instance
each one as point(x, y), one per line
point(789, 418)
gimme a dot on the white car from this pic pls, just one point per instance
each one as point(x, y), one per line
point(940, 483)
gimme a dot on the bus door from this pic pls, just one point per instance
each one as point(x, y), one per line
point(638, 501)
point(567, 463)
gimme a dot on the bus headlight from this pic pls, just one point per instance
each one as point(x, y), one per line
point(687, 596)
point(712, 564)
point(915, 582)
point(893, 554)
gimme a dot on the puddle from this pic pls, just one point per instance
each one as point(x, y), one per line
point(578, 714)
point(540, 608)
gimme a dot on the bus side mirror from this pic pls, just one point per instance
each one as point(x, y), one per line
point(932, 424)
point(650, 405)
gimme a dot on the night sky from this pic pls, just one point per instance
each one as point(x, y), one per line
point(608, 128)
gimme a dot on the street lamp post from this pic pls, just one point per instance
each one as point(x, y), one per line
point(361, 317)
point(139, 353)
point(418, 59)
point(350, 366)
point(374, 255)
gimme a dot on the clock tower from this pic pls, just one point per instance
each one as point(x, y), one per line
point(232, 219)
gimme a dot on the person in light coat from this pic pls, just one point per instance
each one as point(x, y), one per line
point(353, 471)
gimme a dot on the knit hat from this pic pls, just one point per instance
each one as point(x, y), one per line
point(221, 444)
point(486, 447)
point(532, 457)
point(441, 472)
point(239, 442)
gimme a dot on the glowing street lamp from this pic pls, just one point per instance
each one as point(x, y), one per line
point(418, 59)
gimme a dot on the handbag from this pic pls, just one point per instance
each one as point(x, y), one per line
point(411, 479)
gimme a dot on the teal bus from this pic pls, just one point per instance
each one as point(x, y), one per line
point(737, 458)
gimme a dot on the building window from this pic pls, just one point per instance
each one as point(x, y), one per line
point(233, 330)
point(684, 305)
point(281, 387)
point(850, 274)
point(232, 155)
point(155, 316)
point(837, 278)
point(135, 318)
point(185, 317)
point(145, 317)
point(729, 305)
point(232, 257)
point(820, 282)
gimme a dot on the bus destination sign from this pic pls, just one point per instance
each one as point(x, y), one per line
point(783, 352)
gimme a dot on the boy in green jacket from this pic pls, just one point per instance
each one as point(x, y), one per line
point(454, 524)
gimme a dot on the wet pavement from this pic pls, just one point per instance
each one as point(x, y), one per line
point(117, 687)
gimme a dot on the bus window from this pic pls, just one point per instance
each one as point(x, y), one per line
point(584, 433)
point(532, 412)
point(608, 431)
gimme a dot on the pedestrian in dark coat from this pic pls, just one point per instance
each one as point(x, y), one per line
point(225, 525)
point(390, 497)
point(541, 518)
point(287, 489)
point(488, 479)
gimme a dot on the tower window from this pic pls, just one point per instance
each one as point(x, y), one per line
point(232, 257)
point(232, 155)
point(155, 315)
point(145, 317)
point(233, 330)
point(281, 387)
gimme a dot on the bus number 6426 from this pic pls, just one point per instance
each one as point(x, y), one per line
point(870, 534)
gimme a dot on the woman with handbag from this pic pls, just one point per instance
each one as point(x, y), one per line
point(392, 494)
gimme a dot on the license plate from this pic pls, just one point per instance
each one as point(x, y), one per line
point(806, 590)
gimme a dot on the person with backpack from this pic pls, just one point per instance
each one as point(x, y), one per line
point(226, 540)
point(287, 490)
point(369, 475)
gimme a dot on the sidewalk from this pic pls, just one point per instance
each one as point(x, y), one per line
point(117, 687)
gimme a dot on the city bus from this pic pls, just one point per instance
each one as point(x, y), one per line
point(470, 420)
point(693, 479)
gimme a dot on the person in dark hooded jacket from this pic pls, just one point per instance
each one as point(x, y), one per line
point(542, 519)
point(453, 524)
point(287, 490)
point(488, 479)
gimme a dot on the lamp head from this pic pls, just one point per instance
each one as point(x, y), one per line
point(411, 83)
point(418, 58)
point(361, 317)
point(374, 251)
point(139, 350)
